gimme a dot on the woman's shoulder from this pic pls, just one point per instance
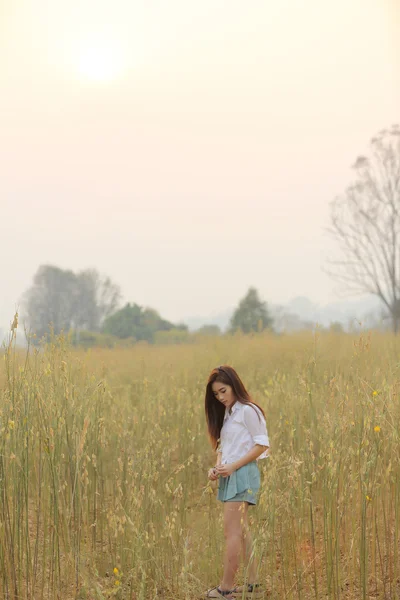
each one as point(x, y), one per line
point(250, 407)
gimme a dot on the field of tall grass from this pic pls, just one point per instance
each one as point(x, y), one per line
point(104, 458)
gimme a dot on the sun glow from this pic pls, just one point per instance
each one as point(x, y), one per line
point(101, 61)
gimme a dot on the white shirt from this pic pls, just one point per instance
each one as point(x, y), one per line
point(241, 431)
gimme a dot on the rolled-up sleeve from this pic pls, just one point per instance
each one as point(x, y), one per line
point(256, 425)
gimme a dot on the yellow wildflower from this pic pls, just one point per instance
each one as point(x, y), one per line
point(115, 571)
point(375, 393)
point(368, 498)
point(11, 424)
point(377, 428)
point(117, 582)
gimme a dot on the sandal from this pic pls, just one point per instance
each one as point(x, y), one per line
point(252, 590)
point(216, 592)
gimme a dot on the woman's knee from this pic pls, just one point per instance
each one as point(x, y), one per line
point(232, 530)
point(233, 534)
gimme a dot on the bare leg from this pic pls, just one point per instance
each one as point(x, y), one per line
point(233, 529)
point(247, 548)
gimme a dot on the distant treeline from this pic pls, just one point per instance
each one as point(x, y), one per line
point(86, 306)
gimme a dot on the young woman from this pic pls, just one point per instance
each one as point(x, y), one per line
point(238, 432)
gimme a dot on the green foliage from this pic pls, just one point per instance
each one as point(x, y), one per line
point(132, 321)
point(336, 327)
point(251, 315)
point(91, 339)
point(209, 330)
point(172, 336)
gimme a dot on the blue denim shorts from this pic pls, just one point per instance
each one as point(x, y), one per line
point(242, 486)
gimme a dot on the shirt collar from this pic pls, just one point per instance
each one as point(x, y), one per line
point(235, 407)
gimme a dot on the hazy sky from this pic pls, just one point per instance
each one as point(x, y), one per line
point(187, 149)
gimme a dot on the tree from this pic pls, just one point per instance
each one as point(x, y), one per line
point(51, 299)
point(132, 321)
point(68, 300)
point(98, 297)
point(125, 323)
point(251, 314)
point(365, 221)
point(336, 327)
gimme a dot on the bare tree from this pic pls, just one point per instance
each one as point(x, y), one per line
point(98, 298)
point(108, 296)
point(68, 300)
point(51, 299)
point(366, 223)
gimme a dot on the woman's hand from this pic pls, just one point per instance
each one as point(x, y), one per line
point(226, 470)
point(212, 474)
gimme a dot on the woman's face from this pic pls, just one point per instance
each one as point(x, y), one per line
point(223, 393)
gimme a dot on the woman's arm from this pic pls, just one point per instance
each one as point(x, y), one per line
point(226, 470)
point(213, 473)
point(251, 455)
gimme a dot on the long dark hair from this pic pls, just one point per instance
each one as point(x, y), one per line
point(215, 411)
